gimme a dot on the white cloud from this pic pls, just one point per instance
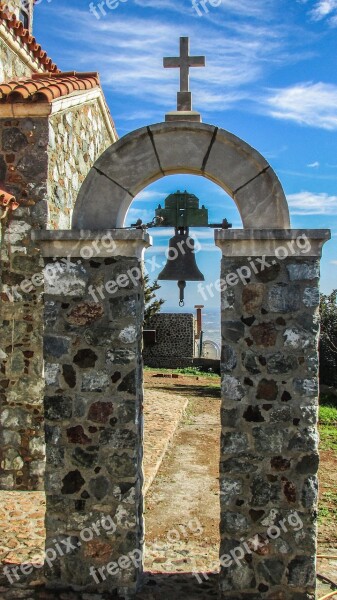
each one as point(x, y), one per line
point(309, 203)
point(323, 9)
point(150, 195)
point(162, 232)
point(248, 8)
point(130, 51)
point(136, 213)
point(309, 103)
point(313, 165)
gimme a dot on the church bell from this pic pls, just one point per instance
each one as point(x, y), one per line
point(181, 211)
point(181, 265)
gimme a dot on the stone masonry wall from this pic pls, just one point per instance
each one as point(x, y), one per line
point(23, 170)
point(175, 340)
point(269, 456)
point(11, 65)
point(77, 137)
point(42, 164)
point(94, 423)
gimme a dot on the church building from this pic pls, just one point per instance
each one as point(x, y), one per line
point(53, 126)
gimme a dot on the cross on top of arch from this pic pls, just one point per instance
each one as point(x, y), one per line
point(184, 62)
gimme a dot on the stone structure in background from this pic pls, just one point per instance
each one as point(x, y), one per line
point(175, 341)
point(53, 126)
point(270, 299)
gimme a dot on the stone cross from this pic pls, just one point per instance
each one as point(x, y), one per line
point(184, 62)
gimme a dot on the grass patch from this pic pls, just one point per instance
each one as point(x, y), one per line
point(324, 513)
point(328, 415)
point(328, 438)
point(190, 371)
point(196, 371)
point(327, 510)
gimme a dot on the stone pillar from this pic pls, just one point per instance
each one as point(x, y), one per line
point(94, 408)
point(269, 460)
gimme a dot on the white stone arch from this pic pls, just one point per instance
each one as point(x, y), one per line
point(152, 152)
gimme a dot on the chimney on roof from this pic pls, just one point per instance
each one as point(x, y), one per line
point(23, 10)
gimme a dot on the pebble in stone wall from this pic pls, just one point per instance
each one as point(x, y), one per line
point(269, 439)
point(10, 64)
point(174, 336)
point(93, 410)
point(77, 137)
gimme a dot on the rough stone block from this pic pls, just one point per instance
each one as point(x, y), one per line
point(232, 389)
point(268, 439)
point(301, 270)
point(56, 346)
point(283, 298)
point(311, 297)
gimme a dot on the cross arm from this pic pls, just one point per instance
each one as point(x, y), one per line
point(171, 62)
point(197, 61)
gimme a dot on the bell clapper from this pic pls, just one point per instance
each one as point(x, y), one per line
point(181, 286)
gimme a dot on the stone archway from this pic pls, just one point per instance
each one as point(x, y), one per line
point(150, 153)
point(269, 294)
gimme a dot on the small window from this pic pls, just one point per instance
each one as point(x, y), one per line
point(24, 17)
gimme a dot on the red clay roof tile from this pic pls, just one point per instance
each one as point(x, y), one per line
point(27, 40)
point(47, 87)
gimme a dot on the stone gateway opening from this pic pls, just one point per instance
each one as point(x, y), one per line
point(94, 421)
point(269, 296)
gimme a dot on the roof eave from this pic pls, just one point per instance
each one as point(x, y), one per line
point(45, 109)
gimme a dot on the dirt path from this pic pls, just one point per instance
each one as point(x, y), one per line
point(182, 505)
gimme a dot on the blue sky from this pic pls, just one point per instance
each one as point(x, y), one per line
point(271, 79)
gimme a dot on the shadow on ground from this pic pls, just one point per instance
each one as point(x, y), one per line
point(193, 390)
point(156, 586)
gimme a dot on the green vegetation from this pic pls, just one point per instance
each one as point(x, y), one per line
point(196, 371)
point(327, 511)
point(328, 339)
point(328, 424)
point(189, 371)
point(328, 415)
point(152, 304)
point(328, 437)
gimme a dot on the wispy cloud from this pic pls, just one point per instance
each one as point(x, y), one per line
point(130, 51)
point(309, 103)
point(261, 9)
point(324, 9)
point(135, 213)
point(308, 203)
point(150, 195)
point(313, 165)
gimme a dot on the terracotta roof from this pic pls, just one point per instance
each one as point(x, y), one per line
point(27, 40)
point(46, 87)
